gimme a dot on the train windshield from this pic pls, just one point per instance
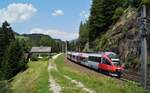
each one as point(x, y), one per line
point(113, 56)
point(117, 63)
point(115, 59)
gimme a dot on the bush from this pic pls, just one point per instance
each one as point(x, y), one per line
point(118, 12)
point(5, 87)
point(45, 58)
point(126, 65)
point(147, 2)
point(135, 63)
point(34, 58)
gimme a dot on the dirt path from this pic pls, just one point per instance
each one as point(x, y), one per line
point(53, 85)
point(80, 85)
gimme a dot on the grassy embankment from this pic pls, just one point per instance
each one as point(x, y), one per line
point(98, 84)
point(33, 80)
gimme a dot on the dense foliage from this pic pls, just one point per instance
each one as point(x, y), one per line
point(103, 14)
point(6, 36)
point(73, 45)
point(101, 17)
point(147, 2)
point(83, 35)
point(12, 59)
point(12, 56)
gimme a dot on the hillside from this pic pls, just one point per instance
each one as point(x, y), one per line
point(123, 38)
point(116, 29)
point(41, 40)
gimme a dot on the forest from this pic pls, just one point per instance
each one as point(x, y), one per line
point(103, 15)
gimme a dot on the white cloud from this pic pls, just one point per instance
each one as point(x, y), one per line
point(84, 15)
point(56, 33)
point(17, 12)
point(58, 13)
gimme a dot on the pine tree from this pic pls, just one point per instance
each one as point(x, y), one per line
point(100, 18)
point(2, 45)
point(6, 36)
point(8, 33)
point(13, 60)
point(83, 34)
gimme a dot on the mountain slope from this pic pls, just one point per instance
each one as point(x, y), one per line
point(41, 40)
point(123, 38)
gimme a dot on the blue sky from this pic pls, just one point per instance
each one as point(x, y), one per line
point(59, 19)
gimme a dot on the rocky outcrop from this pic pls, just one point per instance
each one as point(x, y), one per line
point(124, 39)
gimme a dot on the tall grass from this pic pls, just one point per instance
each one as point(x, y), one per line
point(33, 80)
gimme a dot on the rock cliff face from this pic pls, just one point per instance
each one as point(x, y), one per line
point(124, 39)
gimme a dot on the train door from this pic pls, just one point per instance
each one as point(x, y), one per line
point(86, 61)
point(105, 64)
point(93, 62)
point(80, 58)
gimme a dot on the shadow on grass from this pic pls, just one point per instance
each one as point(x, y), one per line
point(5, 87)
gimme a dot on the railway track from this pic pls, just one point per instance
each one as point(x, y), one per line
point(135, 76)
point(132, 76)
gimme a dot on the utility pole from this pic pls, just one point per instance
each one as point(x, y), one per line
point(143, 31)
point(66, 49)
point(62, 48)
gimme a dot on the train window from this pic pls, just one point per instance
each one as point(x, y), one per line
point(105, 61)
point(95, 59)
point(91, 58)
point(98, 59)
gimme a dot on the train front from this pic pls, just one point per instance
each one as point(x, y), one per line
point(117, 68)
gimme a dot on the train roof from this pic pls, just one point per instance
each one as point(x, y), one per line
point(107, 53)
point(75, 53)
point(95, 54)
point(99, 54)
point(68, 52)
point(84, 54)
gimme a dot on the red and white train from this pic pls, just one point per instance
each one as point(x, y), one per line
point(104, 62)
